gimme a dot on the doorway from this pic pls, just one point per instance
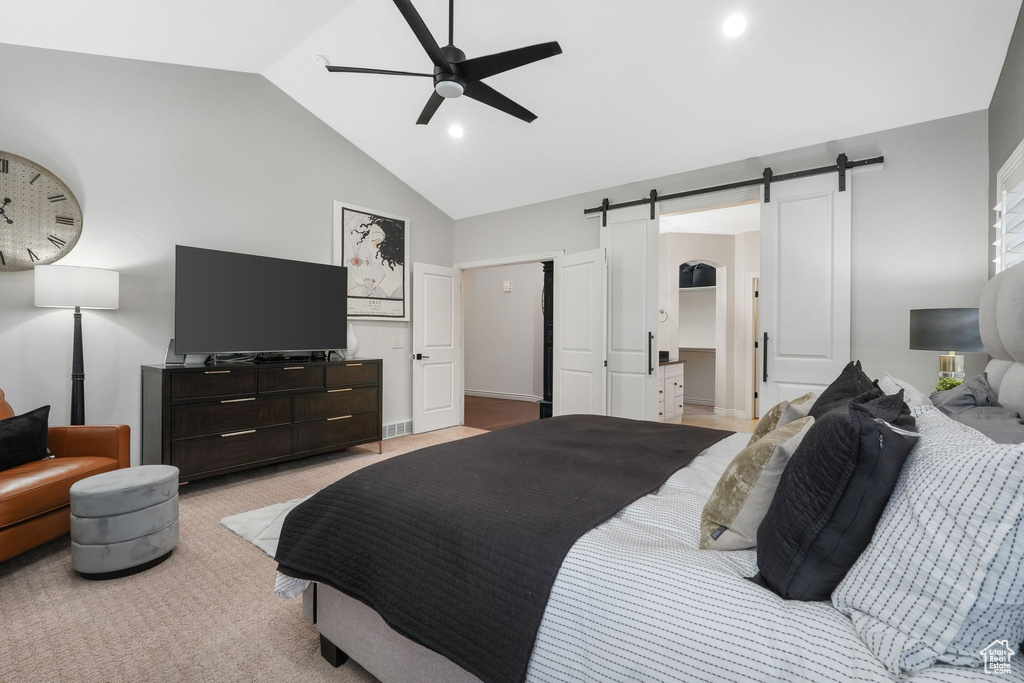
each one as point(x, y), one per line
point(707, 257)
point(504, 344)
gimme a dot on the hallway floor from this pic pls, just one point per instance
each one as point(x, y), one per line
point(498, 413)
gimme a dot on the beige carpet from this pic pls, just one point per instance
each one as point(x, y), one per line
point(208, 613)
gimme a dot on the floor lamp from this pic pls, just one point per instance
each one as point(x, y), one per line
point(78, 288)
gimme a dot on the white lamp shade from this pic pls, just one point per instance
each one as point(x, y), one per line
point(70, 286)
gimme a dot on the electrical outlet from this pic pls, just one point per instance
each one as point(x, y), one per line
point(506, 286)
point(398, 342)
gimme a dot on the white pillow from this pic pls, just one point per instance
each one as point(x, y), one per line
point(939, 581)
point(912, 396)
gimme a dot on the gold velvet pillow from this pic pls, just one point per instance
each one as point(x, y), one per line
point(742, 496)
point(781, 414)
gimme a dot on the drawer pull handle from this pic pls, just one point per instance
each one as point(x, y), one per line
point(296, 367)
point(247, 431)
point(343, 417)
point(239, 400)
point(334, 391)
point(352, 365)
point(217, 372)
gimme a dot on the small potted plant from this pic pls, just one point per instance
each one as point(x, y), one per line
point(947, 383)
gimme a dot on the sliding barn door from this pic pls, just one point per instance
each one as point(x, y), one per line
point(578, 359)
point(805, 287)
point(437, 375)
point(631, 238)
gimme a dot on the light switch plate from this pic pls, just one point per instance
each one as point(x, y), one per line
point(398, 342)
point(506, 286)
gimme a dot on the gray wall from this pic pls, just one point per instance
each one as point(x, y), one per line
point(1006, 112)
point(920, 228)
point(160, 155)
point(504, 331)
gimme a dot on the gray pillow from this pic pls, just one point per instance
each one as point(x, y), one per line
point(977, 392)
point(1002, 425)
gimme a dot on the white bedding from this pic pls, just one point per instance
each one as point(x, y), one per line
point(636, 600)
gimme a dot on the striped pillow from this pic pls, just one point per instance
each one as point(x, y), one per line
point(939, 580)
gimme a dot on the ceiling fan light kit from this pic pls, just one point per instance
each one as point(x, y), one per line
point(454, 75)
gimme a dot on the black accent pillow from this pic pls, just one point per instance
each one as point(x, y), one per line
point(852, 382)
point(830, 497)
point(23, 438)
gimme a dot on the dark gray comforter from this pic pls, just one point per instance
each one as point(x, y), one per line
point(457, 546)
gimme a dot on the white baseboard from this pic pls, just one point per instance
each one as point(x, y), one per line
point(699, 401)
point(729, 412)
point(508, 397)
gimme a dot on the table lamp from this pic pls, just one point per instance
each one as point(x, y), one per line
point(78, 288)
point(946, 329)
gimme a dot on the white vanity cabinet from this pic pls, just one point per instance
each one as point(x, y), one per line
point(670, 391)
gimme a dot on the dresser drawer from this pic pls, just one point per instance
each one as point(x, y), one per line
point(229, 415)
point(291, 377)
point(333, 402)
point(230, 449)
point(336, 431)
point(213, 383)
point(355, 372)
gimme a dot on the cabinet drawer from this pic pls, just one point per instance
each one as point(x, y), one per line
point(229, 415)
point(333, 402)
point(291, 377)
point(197, 456)
point(213, 383)
point(337, 431)
point(355, 372)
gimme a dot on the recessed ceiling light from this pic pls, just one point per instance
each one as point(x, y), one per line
point(455, 131)
point(734, 25)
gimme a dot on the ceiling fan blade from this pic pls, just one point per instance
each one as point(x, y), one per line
point(423, 34)
point(428, 111)
point(383, 72)
point(482, 67)
point(481, 92)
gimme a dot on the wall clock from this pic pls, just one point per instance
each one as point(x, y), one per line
point(40, 219)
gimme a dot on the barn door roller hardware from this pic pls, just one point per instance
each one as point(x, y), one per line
point(842, 165)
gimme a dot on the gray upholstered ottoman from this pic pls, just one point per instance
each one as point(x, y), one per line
point(125, 521)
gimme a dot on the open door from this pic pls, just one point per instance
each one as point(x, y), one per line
point(805, 286)
point(578, 362)
point(631, 239)
point(437, 372)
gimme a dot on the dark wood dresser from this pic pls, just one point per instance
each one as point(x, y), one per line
point(214, 419)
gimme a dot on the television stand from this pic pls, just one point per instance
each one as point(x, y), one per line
point(208, 420)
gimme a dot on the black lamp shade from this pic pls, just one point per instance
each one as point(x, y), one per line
point(945, 329)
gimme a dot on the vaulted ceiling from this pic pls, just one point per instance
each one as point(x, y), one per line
point(642, 89)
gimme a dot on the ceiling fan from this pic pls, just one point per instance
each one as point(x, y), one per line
point(454, 75)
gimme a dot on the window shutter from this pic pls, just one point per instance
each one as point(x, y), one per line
point(1009, 226)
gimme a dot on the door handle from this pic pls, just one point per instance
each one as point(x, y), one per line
point(650, 349)
point(764, 361)
point(420, 356)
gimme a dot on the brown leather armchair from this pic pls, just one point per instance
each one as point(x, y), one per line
point(34, 497)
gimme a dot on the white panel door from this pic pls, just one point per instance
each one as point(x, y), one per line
point(580, 303)
point(437, 373)
point(805, 287)
point(631, 239)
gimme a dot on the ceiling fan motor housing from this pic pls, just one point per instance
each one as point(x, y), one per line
point(451, 83)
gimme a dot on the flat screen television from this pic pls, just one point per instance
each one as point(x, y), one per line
point(238, 303)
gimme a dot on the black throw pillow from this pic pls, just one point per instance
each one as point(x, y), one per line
point(852, 382)
point(829, 499)
point(23, 438)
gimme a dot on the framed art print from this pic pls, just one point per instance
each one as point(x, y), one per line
point(374, 247)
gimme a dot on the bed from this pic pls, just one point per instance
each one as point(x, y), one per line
point(635, 599)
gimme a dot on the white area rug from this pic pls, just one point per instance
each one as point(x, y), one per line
point(262, 527)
